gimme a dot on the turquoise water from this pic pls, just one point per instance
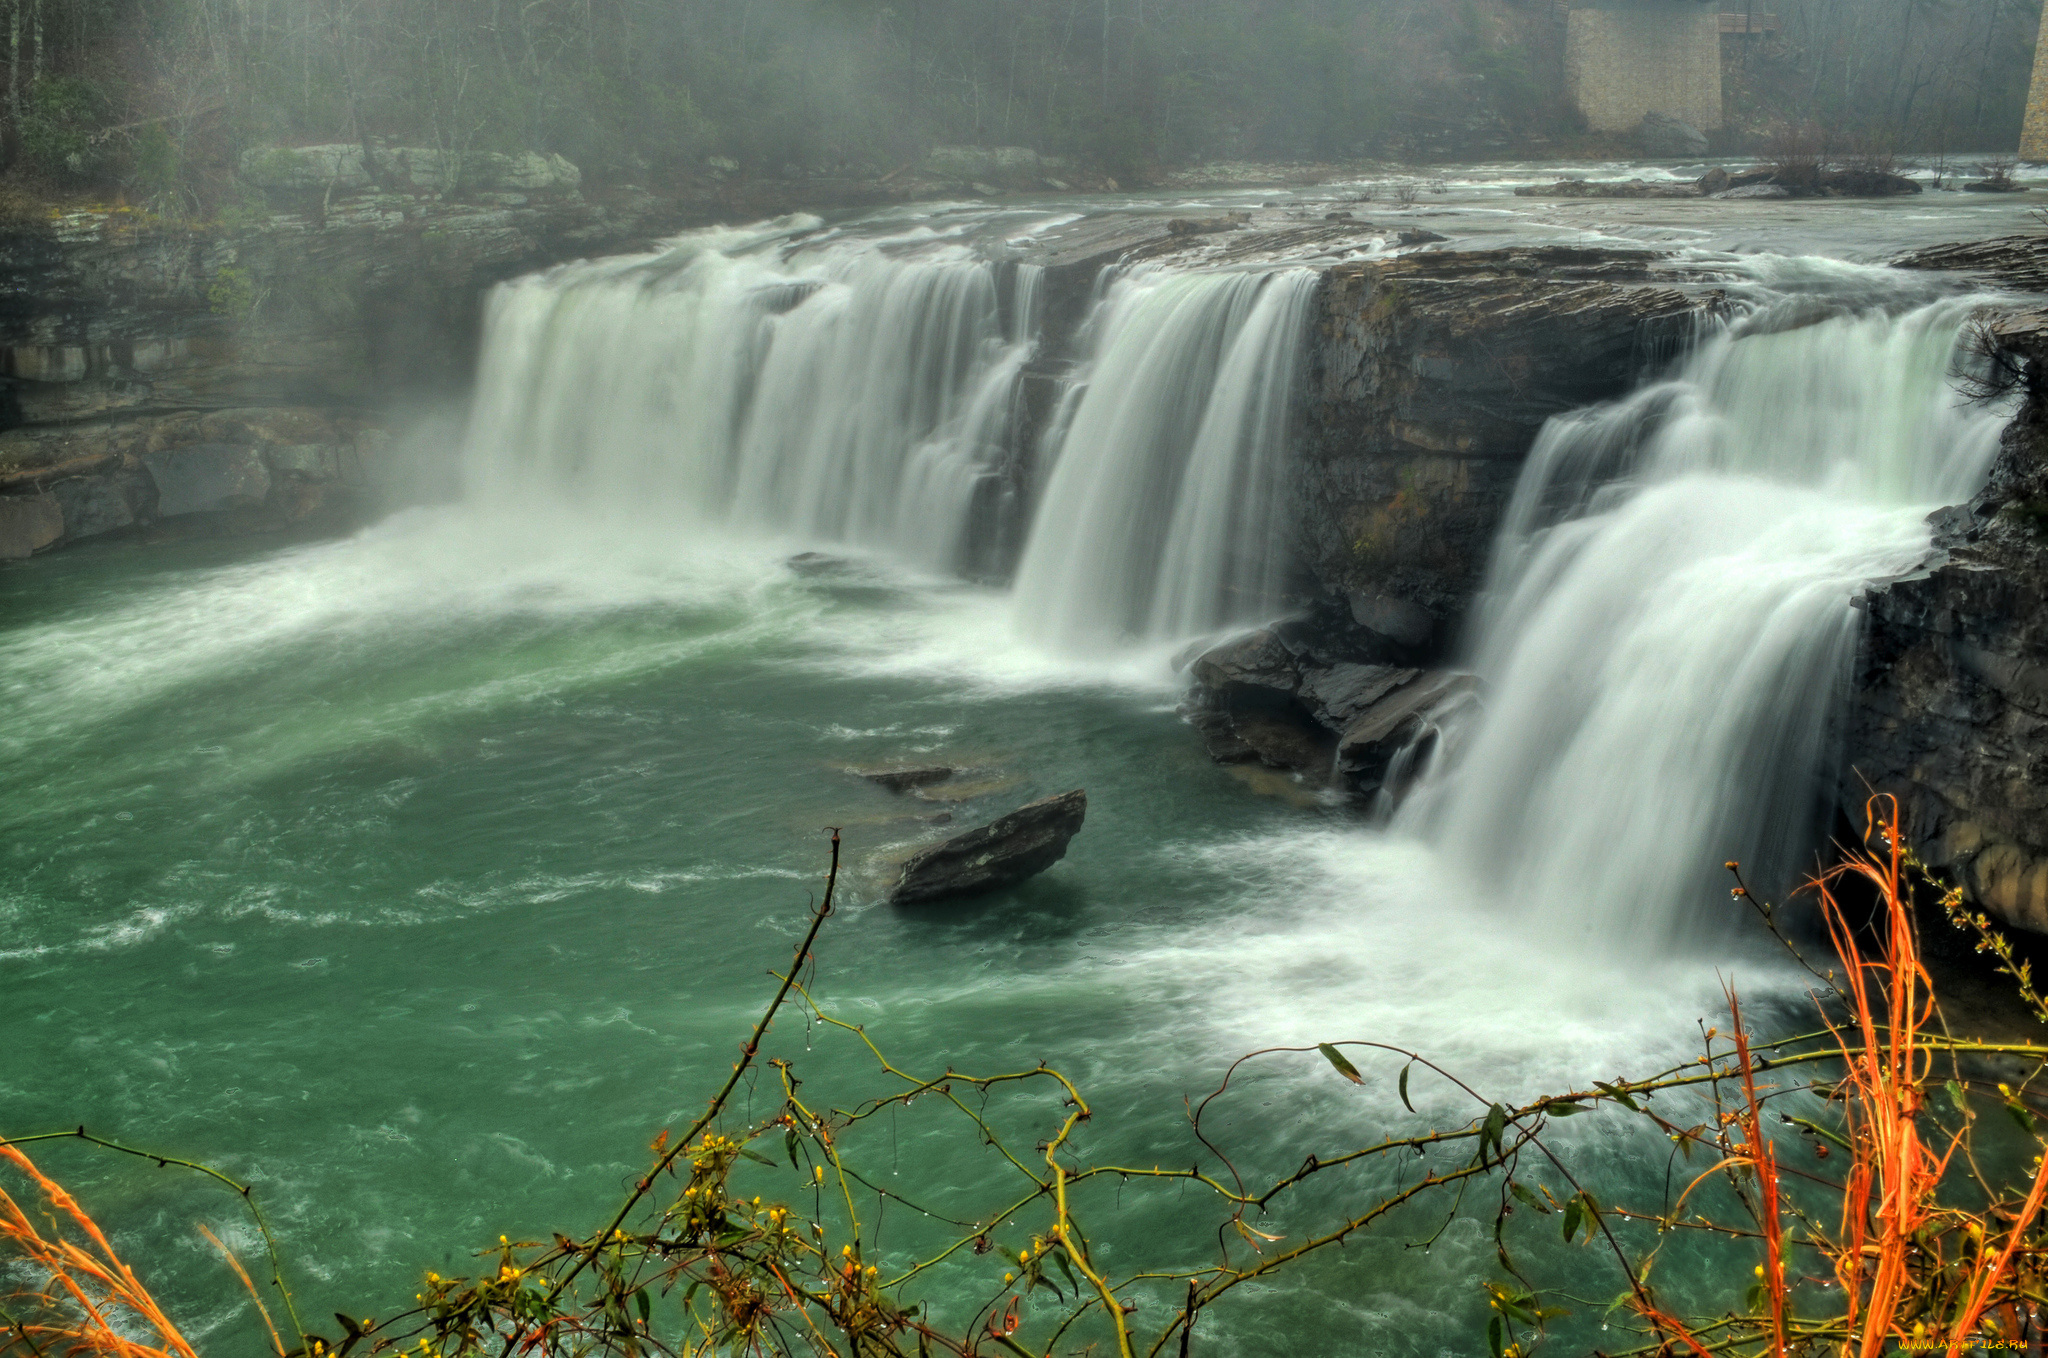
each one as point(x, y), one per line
point(420, 877)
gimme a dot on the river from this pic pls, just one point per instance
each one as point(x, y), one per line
point(420, 877)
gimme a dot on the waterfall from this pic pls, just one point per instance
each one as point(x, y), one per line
point(839, 393)
point(1669, 623)
point(1160, 518)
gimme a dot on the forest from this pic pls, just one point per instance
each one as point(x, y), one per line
point(157, 97)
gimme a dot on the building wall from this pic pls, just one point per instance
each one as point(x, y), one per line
point(1620, 64)
point(2034, 138)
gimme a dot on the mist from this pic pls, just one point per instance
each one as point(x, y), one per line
point(156, 99)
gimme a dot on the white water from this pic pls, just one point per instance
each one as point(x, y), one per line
point(841, 395)
point(1668, 627)
point(864, 393)
point(1162, 516)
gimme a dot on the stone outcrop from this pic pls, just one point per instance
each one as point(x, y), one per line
point(1006, 851)
point(1951, 700)
point(229, 471)
point(1274, 697)
point(2004, 261)
point(342, 166)
point(1428, 380)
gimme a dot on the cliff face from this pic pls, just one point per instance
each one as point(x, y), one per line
point(271, 350)
point(1429, 378)
point(1950, 711)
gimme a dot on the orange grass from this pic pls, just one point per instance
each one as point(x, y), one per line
point(87, 1295)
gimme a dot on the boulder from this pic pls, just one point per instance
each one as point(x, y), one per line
point(1660, 134)
point(206, 478)
point(28, 523)
point(1254, 667)
point(1713, 181)
point(93, 505)
point(1000, 854)
point(1756, 191)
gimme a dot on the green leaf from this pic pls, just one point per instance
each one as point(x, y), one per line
point(756, 1155)
point(1490, 1134)
point(641, 1300)
point(1565, 1110)
point(2020, 1115)
point(1621, 1299)
point(1496, 1335)
point(789, 1147)
point(1344, 1067)
point(1060, 1257)
point(1572, 1212)
point(1516, 1187)
point(1958, 1097)
point(1591, 1208)
point(1620, 1096)
point(1404, 1086)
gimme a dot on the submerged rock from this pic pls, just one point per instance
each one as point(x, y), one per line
point(1006, 851)
point(903, 780)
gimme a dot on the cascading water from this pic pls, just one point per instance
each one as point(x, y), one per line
point(1670, 617)
point(837, 392)
point(1160, 519)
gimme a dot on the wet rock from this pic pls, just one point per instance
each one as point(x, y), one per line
point(1993, 186)
point(2008, 261)
point(1624, 188)
point(1008, 850)
point(903, 780)
point(1713, 181)
point(207, 478)
point(1431, 375)
point(1418, 237)
point(1368, 745)
point(1208, 226)
point(95, 505)
point(1255, 667)
point(1755, 191)
point(1660, 134)
point(28, 524)
point(1951, 693)
point(1339, 695)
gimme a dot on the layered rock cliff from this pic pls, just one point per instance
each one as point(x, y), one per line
point(1950, 710)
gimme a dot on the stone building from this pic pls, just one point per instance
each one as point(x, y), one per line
point(1628, 58)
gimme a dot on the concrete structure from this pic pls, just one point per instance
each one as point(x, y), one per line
point(1654, 56)
point(2034, 136)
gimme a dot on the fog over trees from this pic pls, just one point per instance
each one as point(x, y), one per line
point(159, 96)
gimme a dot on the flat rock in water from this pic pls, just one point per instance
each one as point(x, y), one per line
point(1002, 853)
point(1337, 695)
point(1368, 745)
point(903, 780)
